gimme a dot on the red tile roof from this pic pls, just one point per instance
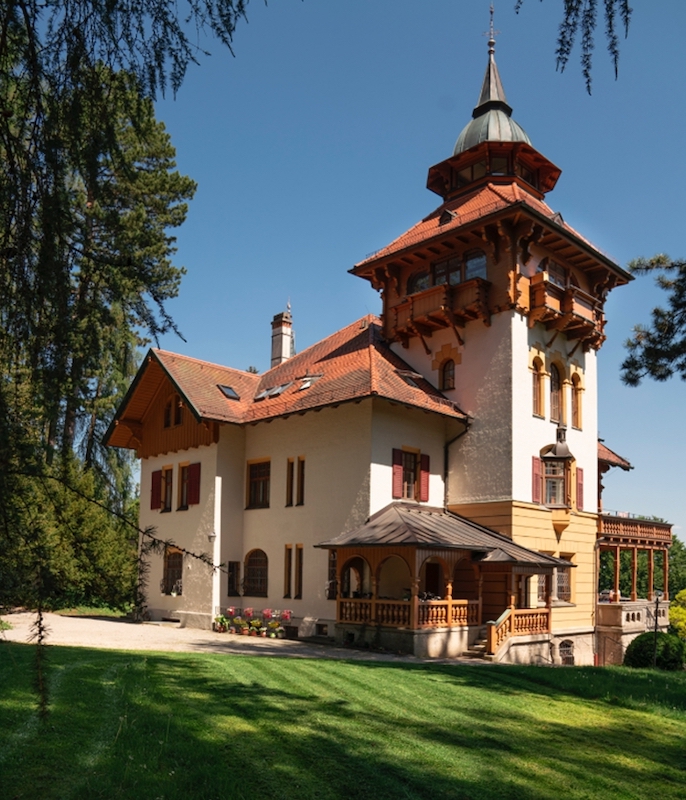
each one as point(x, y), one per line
point(611, 458)
point(484, 201)
point(351, 364)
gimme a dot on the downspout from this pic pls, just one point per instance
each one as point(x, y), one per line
point(446, 455)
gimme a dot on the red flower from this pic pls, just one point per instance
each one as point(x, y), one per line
point(286, 616)
point(247, 612)
point(267, 613)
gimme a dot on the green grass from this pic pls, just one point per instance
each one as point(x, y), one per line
point(92, 611)
point(148, 726)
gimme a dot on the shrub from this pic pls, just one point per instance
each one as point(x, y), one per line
point(670, 651)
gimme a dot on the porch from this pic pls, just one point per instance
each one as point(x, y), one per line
point(431, 583)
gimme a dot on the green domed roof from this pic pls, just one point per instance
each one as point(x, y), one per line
point(492, 118)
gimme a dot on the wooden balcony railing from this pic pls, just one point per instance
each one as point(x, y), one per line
point(516, 622)
point(398, 613)
point(566, 308)
point(439, 307)
point(626, 528)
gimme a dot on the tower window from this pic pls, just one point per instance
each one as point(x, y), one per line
point(576, 402)
point(555, 394)
point(537, 385)
point(256, 574)
point(258, 484)
point(448, 375)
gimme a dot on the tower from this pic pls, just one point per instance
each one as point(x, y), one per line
point(498, 302)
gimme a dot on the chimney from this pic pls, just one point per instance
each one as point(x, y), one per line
point(283, 338)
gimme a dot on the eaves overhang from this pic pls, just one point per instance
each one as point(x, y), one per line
point(364, 268)
point(150, 357)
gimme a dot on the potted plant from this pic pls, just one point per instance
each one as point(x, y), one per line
point(221, 623)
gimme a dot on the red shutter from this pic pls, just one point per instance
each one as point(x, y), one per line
point(397, 473)
point(425, 471)
point(193, 484)
point(156, 490)
point(579, 488)
point(536, 480)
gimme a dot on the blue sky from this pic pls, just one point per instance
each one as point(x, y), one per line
point(311, 148)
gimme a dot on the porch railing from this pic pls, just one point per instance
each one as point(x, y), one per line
point(516, 622)
point(398, 613)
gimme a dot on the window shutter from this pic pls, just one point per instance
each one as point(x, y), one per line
point(193, 484)
point(397, 473)
point(156, 490)
point(579, 488)
point(536, 480)
point(425, 471)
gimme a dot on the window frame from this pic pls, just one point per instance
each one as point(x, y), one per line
point(298, 583)
point(256, 576)
point(258, 485)
point(287, 571)
point(167, 489)
point(538, 399)
point(233, 570)
point(448, 375)
point(172, 571)
point(402, 464)
point(183, 486)
point(576, 409)
point(300, 490)
point(556, 399)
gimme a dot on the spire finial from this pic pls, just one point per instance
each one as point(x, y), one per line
point(492, 33)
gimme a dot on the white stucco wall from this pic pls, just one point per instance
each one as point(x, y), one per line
point(395, 426)
point(336, 445)
point(190, 529)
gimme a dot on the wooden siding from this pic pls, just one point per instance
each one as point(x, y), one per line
point(156, 439)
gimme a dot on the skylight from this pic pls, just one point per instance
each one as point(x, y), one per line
point(228, 392)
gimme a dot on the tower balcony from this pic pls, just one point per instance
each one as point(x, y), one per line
point(567, 309)
point(438, 307)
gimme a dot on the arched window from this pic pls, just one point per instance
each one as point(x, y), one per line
point(168, 414)
point(555, 394)
point(178, 410)
point(567, 653)
point(475, 265)
point(537, 385)
point(576, 401)
point(448, 375)
point(256, 572)
point(418, 282)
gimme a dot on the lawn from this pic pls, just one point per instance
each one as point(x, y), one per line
point(141, 725)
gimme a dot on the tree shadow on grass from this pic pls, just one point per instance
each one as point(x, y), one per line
point(155, 726)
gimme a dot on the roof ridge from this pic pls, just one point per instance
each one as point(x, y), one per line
point(159, 352)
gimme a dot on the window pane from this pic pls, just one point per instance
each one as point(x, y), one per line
point(475, 266)
point(409, 475)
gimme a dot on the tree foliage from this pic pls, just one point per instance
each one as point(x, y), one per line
point(87, 199)
point(659, 351)
point(581, 17)
point(664, 650)
point(677, 614)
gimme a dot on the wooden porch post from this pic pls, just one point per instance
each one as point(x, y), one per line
point(634, 567)
point(481, 598)
point(374, 590)
point(449, 598)
point(665, 572)
point(616, 586)
point(651, 573)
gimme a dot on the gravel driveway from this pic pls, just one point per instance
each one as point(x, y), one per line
point(117, 634)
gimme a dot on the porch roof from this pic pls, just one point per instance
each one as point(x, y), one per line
point(422, 526)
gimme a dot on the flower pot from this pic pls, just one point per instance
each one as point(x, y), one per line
point(263, 634)
point(244, 631)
